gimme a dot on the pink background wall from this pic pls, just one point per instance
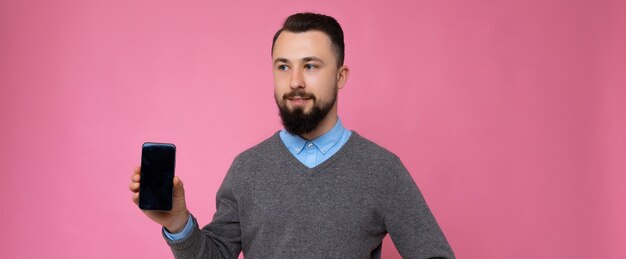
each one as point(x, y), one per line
point(510, 116)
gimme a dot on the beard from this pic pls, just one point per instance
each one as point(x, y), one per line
point(298, 122)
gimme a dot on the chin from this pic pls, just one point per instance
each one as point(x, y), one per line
point(304, 110)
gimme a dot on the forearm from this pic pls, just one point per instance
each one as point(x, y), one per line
point(202, 244)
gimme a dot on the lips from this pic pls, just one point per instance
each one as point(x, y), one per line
point(299, 98)
point(298, 101)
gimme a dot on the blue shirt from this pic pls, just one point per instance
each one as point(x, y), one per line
point(314, 152)
point(310, 153)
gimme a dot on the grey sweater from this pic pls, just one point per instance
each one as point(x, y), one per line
point(272, 206)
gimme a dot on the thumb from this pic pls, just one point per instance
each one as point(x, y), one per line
point(179, 191)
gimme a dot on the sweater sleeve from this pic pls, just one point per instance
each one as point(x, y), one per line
point(409, 221)
point(219, 239)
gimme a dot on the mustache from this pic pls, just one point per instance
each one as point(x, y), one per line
point(298, 93)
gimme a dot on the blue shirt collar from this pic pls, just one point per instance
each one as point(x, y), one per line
point(323, 143)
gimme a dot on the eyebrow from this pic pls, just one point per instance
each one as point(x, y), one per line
point(316, 59)
point(281, 60)
point(305, 59)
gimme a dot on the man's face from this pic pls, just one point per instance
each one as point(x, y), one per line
point(306, 79)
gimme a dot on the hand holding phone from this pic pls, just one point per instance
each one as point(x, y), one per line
point(175, 219)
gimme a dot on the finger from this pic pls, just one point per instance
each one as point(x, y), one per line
point(134, 187)
point(136, 174)
point(136, 198)
point(135, 178)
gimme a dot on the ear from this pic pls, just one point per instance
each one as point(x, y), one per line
point(342, 76)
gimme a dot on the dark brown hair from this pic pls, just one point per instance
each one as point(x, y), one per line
point(303, 22)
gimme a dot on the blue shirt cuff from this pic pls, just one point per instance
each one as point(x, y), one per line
point(182, 234)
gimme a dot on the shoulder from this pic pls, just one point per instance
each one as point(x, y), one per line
point(263, 151)
point(377, 163)
point(365, 149)
point(247, 162)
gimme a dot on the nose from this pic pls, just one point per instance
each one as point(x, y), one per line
point(296, 80)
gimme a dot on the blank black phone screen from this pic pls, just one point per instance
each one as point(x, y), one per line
point(157, 173)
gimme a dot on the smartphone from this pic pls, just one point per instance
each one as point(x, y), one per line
point(157, 173)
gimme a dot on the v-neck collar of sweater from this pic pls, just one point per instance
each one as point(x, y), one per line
point(277, 142)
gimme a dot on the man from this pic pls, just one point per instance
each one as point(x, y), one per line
point(314, 189)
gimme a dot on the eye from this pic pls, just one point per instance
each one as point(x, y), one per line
point(282, 67)
point(309, 66)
